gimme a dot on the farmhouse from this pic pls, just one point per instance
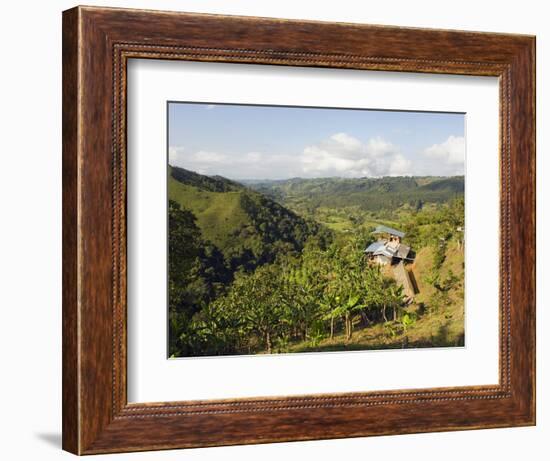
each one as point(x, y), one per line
point(389, 250)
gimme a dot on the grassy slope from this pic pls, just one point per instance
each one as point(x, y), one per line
point(237, 220)
point(450, 320)
point(218, 214)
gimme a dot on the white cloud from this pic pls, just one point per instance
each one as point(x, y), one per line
point(235, 165)
point(344, 155)
point(254, 156)
point(346, 141)
point(400, 166)
point(449, 154)
point(339, 155)
point(207, 157)
point(176, 155)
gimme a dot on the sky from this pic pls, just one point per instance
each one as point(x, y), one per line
point(278, 142)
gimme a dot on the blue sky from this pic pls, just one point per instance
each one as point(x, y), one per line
point(275, 142)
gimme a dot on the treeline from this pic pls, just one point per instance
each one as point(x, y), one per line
point(370, 194)
point(209, 183)
point(247, 227)
point(200, 272)
point(306, 297)
point(197, 272)
point(269, 230)
point(436, 227)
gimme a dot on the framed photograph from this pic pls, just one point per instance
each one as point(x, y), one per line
point(282, 230)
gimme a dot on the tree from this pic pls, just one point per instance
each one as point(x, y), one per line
point(184, 245)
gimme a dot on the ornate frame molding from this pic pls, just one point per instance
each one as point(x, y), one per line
point(97, 45)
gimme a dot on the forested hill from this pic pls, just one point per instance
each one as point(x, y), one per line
point(248, 227)
point(259, 270)
point(370, 194)
point(207, 183)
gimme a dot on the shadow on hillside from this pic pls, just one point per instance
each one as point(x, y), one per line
point(380, 341)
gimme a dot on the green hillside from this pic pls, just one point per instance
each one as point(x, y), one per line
point(217, 230)
point(369, 194)
point(246, 226)
point(208, 183)
point(279, 266)
point(218, 214)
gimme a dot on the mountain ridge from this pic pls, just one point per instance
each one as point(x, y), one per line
point(247, 226)
point(370, 194)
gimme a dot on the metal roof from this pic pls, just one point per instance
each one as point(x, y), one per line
point(382, 248)
point(386, 251)
point(388, 230)
point(374, 246)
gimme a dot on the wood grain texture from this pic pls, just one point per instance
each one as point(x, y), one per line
point(97, 43)
point(70, 384)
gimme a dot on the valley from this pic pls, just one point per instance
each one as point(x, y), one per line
point(279, 266)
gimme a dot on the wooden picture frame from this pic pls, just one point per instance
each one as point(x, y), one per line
point(97, 43)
